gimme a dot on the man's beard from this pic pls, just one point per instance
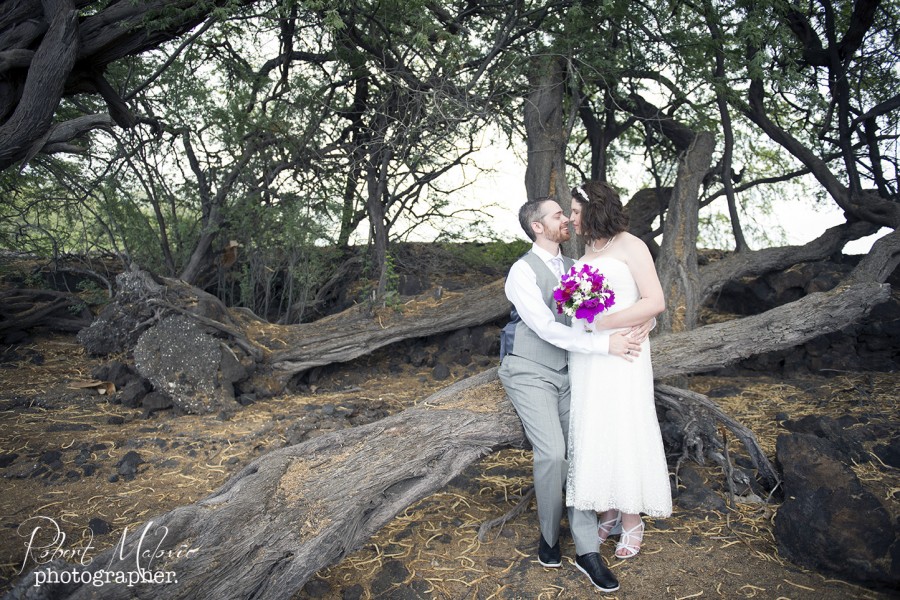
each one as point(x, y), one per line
point(560, 235)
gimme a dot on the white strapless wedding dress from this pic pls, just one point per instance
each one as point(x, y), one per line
point(616, 456)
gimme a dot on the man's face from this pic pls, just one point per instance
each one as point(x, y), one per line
point(553, 224)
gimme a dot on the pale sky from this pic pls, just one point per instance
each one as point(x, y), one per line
point(802, 221)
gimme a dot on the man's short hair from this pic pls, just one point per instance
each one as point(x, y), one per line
point(531, 212)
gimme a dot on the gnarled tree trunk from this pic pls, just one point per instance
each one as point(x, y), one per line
point(546, 136)
point(677, 263)
point(48, 51)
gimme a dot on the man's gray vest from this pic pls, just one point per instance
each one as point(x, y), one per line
point(525, 342)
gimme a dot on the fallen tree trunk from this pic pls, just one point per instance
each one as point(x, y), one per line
point(759, 262)
point(356, 332)
point(296, 510)
point(22, 309)
point(714, 346)
point(281, 352)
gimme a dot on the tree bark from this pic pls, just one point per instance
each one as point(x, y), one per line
point(281, 352)
point(602, 132)
point(714, 346)
point(266, 531)
point(672, 397)
point(643, 209)
point(712, 23)
point(680, 135)
point(23, 309)
point(213, 204)
point(677, 264)
point(289, 513)
point(546, 136)
point(376, 184)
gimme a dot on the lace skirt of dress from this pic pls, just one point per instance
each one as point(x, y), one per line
point(616, 455)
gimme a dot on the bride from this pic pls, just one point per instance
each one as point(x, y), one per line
point(618, 465)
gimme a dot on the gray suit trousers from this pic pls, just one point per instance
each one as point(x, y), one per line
point(540, 396)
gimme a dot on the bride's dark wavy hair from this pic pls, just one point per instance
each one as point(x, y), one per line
point(602, 213)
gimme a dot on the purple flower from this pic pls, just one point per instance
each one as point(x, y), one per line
point(583, 293)
point(588, 309)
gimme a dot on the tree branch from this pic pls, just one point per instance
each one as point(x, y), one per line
point(715, 275)
point(50, 67)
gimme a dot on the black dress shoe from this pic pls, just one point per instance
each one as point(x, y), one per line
point(547, 556)
point(592, 565)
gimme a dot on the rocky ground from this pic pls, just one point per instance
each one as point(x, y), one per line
point(95, 467)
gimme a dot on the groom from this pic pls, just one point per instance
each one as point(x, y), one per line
point(535, 375)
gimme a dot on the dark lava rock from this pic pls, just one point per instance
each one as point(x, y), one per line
point(846, 441)
point(697, 495)
point(133, 392)
point(128, 464)
point(828, 520)
point(440, 372)
point(889, 453)
point(354, 592)
point(119, 373)
point(385, 584)
point(98, 526)
point(155, 401)
point(195, 369)
point(317, 588)
point(52, 458)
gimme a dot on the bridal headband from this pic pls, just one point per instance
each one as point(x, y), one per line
point(582, 193)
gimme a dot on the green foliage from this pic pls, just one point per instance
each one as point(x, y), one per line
point(380, 99)
point(496, 256)
point(284, 255)
point(392, 284)
point(91, 293)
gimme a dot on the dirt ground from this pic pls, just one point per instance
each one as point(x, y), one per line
point(60, 448)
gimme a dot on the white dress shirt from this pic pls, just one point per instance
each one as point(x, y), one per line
point(522, 290)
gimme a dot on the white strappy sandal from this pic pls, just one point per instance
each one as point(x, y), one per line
point(610, 527)
point(630, 543)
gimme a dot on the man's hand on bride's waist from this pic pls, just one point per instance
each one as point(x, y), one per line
point(622, 343)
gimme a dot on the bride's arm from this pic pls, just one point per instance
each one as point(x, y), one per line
point(651, 302)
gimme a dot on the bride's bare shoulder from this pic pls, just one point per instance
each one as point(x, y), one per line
point(629, 240)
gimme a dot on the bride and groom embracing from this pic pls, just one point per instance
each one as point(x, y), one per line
point(585, 398)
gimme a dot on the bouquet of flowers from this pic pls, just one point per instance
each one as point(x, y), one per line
point(583, 293)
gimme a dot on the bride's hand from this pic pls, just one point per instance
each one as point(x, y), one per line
point(621, 344)
point(639, 333)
